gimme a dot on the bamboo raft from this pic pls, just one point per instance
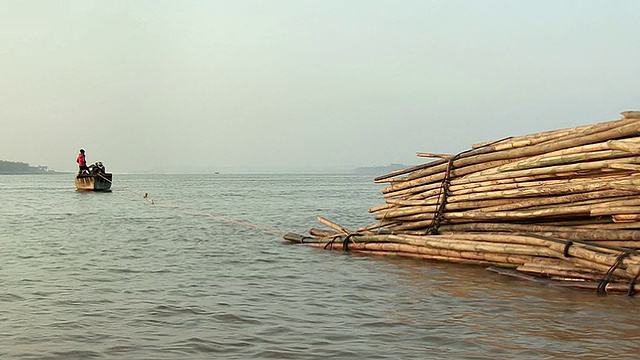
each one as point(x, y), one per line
point(560, 207)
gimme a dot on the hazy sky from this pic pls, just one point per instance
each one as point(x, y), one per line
point(293, 85)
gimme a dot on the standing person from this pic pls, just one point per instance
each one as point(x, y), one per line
point(82, 162)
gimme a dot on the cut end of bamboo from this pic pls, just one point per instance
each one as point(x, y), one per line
point(295, 238)
point(437, 156)
point(631, 114)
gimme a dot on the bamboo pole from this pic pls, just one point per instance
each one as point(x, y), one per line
point(543, 137)
point(575, 199)
point(628, 167)
point(333, 225)
point(535, 191)
point(625, 218)
point(407, 187)
point(416, 194)
point(485, 186)
point(412, 169)
point(553, 231)
point(502, 238)
point(558, 170)
point(594, 265)
point(630, 146)
point(461, 205)
point(590, 207)
point(410, 210)
point(433, 155)
point(616, 210)
point(622, 244)
point(520, 215)
point(563, 157)
point(631, 114)
point(591, 259)
point(564, 273)
point(603, 132)
point(598, 133)
point(435, 254)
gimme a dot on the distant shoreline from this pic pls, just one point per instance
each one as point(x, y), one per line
point(20, 168)
point(37, 173)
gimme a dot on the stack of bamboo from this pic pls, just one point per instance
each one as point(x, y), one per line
point(563, 204)
point(584, 177)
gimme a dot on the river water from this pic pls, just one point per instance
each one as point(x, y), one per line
point(203, 273)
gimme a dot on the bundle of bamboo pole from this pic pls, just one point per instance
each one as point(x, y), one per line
point(561, 204)
point(572, 177)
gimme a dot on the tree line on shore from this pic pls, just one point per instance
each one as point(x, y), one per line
point(11, 167)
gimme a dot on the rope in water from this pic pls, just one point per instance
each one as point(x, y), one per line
point(146, 197)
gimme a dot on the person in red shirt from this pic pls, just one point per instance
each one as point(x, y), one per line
point(82, 162)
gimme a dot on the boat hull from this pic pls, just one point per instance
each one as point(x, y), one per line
point(101, 182)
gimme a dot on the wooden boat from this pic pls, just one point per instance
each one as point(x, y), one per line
point(94, 182)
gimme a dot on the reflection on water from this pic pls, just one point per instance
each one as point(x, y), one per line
point(90, 275)
point(513, 315)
